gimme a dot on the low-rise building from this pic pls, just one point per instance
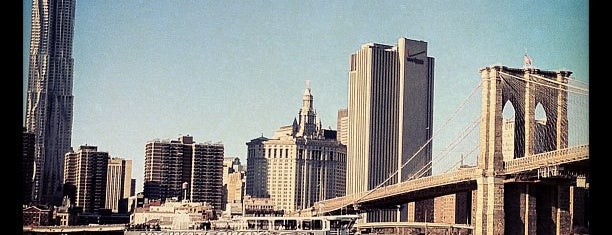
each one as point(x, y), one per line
point(174, 214)
point(254, 206)
point(67, 213)
point(37, 216)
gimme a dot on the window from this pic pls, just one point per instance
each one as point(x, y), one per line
point(317, 225)
point(306, 225)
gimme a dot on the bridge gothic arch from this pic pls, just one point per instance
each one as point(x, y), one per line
point(524, 89)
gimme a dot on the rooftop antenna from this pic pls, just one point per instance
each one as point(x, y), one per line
point(308, 84)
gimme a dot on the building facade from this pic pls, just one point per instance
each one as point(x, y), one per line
point(85, 175)
point(253, 206)
point(49, 95)
point(455, 208)
point(390, 115)
point(300, 165)
point(37, 216)
point(169, 164)
point(230, 165)
point(27, 161)
point(342, 126)
point(234, 181)
point(67, 214)
point(118, 182)
point(236, 187)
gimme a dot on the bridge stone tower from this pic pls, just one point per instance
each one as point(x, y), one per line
point(524, 88)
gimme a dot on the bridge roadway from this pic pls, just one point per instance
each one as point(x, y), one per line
point(459, 180)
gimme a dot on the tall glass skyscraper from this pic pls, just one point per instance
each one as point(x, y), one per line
point(390, 117)
point(49, 96)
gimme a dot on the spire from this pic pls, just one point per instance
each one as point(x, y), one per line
point(307, 98)
point(295, 126)
point(319, 126)
point(307, 115)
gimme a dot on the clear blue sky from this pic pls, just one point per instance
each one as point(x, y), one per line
point(230, 71)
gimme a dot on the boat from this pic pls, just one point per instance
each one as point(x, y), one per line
point(268, 225)
point(314, 225)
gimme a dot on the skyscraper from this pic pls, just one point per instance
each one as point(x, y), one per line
point(390, 114)
point(49, 95)
point(169, 164)
point(27, 162)
point(342, 126)
point(231, 168)
point(300, 165)
point(85, 177)
point(118, 182)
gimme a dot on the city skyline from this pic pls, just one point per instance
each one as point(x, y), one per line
point(244, 59)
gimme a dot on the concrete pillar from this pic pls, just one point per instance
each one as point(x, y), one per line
point(490, 219)
point(490, 196)
point(563, 219)
point(528, 208)
point(561, 122)
point(513, 203)
point(529, 109)
point(474, 207)
point(579, 208)
point(411, 211)
point(520, 208)
point(546, 197)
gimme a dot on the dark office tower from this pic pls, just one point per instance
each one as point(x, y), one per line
point(170, 163)
point(27, 161)
point(86, 174)
point(49, 97)
point(390, 114)
point(133, 187)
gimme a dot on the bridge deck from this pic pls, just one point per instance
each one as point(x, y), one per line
point(446, 183)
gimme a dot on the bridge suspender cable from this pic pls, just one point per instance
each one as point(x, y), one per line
point(429, 165)
point(454, 114)
point(581, 91)
point(578, 81)
point(560, 83)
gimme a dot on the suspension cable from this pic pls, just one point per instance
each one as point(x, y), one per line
point(546, 85)
point(454, 114)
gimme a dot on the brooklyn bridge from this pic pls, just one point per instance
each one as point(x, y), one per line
point(538, 186)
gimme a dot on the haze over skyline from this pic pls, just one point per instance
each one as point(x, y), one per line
point(231, 71)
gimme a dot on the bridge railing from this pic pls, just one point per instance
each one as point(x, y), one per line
point(425, 182)
point(546, 159)
point(336, 203)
